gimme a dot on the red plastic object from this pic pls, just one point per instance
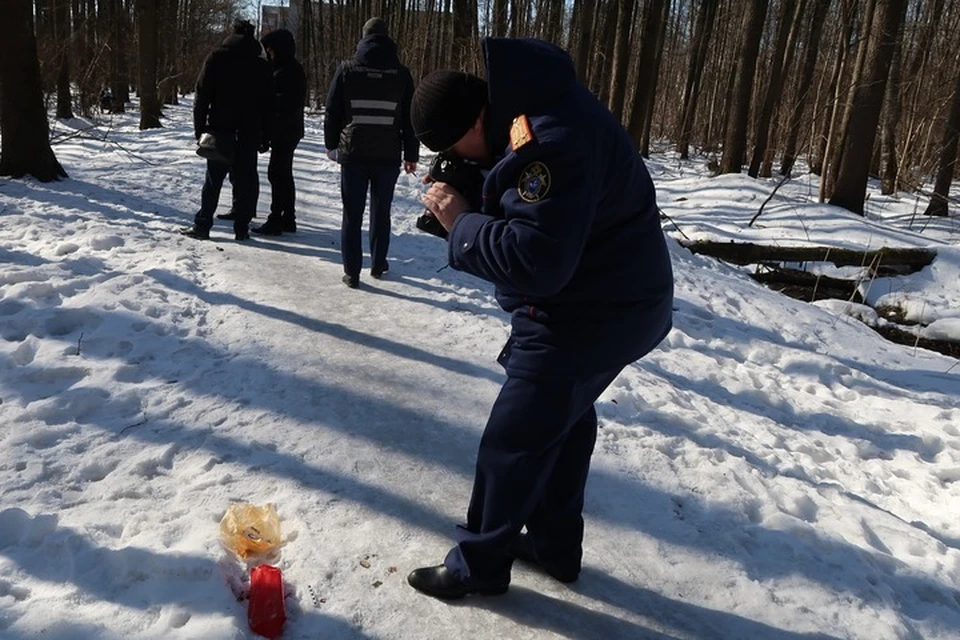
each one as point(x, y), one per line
point(266, 612)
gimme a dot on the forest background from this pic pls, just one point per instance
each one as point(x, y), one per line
point(860, 88)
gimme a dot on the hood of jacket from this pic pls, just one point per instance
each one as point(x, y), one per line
point(524, 76)
point(241, 45)
point(377, 50)
point(282, 42)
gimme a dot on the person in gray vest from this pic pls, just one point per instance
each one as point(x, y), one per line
point(366, 129)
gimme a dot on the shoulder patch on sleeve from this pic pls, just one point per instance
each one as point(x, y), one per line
point(534, 182)
point(520, 132)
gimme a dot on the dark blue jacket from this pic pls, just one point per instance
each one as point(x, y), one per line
point(367, 115)
point(569, 231)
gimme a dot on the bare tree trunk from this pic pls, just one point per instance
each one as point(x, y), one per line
point(169, 63)
point(716, 113)
point(96, 74)
point(148, 48)
point(605, 63)
point(307, 45)
point(24, 132)
point(861, 130)
point(519, 12)
point(831, 124)
point(837, 143)
point(804, 84)
point(621, 58)
point(698, 58)
point(464, 33)
point(917, 74)
point(891, 120)
point(434, 33)
point(646, 84)
point(45, 31)
point(925, 43)
point(774, 88)
point(554, 22)
point(119, 79)
point(123, 49)
point(948, 153)
point(499, 25)
point(735, 146)
point(80, 53)
point(425, 62)
point(61, 26)
point(585, 16)
point(651, 97)
point(778, 126)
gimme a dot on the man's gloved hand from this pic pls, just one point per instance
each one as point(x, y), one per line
point(332, 154)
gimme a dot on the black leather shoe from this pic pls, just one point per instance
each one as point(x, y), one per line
point(288, 225)
point(378, 273)
point(268, 229)
point(440, 582)
point(241, 234)
point(351, 281)
point(522, 549)
point(195, 232)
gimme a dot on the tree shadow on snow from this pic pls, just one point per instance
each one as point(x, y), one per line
point(664, 618)
point(339, 331)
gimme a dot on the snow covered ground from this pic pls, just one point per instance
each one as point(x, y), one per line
point(774, 470)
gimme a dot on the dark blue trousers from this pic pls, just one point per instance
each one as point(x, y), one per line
point(355, 178)
point(283, 191)
point(246, 189)
point(531, 470)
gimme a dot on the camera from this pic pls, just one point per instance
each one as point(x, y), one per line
point(462, 175)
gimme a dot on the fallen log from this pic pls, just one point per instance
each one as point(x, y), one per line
point(808, 287)
point(884, 261)
point(805, 286)
point(895, 334)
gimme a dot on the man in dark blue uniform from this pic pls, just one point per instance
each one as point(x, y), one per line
point(366, 126)
point(290, 84)
point(569, 233)
point(234, 102)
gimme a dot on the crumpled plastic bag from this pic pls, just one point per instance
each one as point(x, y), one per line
point(248, 530)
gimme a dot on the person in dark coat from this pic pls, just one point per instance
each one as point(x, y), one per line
point(234, 103)
point(569, 234)
point(366, 128)
point(290, 84)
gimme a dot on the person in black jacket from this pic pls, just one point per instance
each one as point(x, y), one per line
point(290, 84)
point(366, 127)
point(234, 103)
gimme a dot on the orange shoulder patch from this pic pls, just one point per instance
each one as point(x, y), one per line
point(520, 132)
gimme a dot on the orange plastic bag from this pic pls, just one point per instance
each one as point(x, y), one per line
point(247, 529)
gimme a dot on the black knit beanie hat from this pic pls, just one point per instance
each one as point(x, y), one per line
point(445, 105)
point(374, 25)
point(243, 27)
